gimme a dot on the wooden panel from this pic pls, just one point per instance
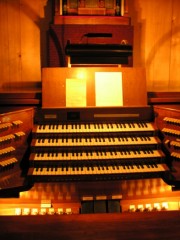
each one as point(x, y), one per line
point(155, 39)
point(91, 20)
point(30, 41)
point(54, 85)
point(20, 42)
point(14, 29)
point(161, 45)
point(4, 51)
point(156, 42)
point(174, 81)
point(164, 97)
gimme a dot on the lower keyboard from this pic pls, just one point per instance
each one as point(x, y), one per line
point(96, 172)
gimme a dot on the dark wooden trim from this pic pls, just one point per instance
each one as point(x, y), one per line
point(163, 97)
point(33, 97)
point(20, 97)
point(92, 20)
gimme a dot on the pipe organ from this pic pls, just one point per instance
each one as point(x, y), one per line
point(94, 158)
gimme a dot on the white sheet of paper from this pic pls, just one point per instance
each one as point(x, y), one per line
point(108, 89)
point(75, 92)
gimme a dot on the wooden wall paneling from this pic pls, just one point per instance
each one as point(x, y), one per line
point(135, 11)
point(30, 41)
point(20, 24)
point(14, 43)
point(157, 39)
point(143, 20)
point(4, 50)
point(161, 44)
point(148, 40)
point(174, 81)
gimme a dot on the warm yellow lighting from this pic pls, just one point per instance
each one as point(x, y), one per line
point(42, 211)
point(165, 206)
point(25, 194)
point(60, 211)
point(108, 89)
point(26, 211)
point(173, 206)
point(81, 74)
point(45, 204)
point(157, 206)
point(34, 211)
point(148, 207)
point(68, 211)
point(132, 208)
point(75, 92)
point(140, 208)
point(18, 211)
point(51, 211)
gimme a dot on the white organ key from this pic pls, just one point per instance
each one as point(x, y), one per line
point(75, 156)
point(90, 171)
point(106, 170)
point(88, 156)
point(75, 170)
point(94, 170)
point(43, 171)
point(137, 169)
point(86, 170)
point(113, 169)
point(69, 171)
point(160, 167)
point(123, 169)
point(63, 171)
point(99, 170)
point(109, 170)
point(34, 171)
point(59, 171)
point(52, 171)
point(129, 169)
point(40, 171)
point(48, 171)
point(145, 168)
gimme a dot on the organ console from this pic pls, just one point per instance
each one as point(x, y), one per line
point(89, 159)
point(111, 149)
